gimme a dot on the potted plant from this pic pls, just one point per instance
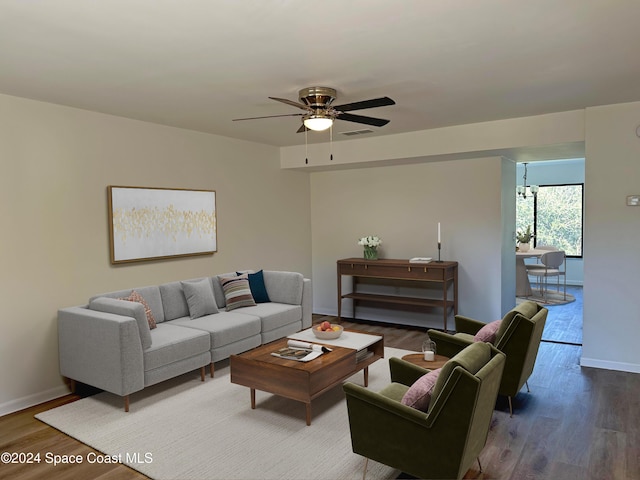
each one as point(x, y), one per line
point(524, 238)
point(370, 244)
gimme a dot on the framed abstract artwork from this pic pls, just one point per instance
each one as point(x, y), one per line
point(159, 223)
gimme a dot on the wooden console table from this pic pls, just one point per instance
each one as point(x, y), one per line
point(388, 269)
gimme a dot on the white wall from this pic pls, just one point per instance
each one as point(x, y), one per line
point(612, 261)
point(403, 205)
point(529, 136)
point(610, 236)
point(56, 164)
point(558, 172)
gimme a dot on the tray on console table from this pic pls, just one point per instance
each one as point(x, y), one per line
point(445, 272)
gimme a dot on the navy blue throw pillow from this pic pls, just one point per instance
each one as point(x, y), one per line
point(258, 288)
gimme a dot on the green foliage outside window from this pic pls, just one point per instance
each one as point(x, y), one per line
point(556, 214)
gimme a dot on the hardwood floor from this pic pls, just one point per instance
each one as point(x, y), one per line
point(564, 322)
point(577, 423)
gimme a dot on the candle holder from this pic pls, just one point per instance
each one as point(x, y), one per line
point(439, 247)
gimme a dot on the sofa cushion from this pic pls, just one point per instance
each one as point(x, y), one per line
point(224, 327)
point(257, 286)
point(284, 287)
point(218, 293)
point(151, 295)
point(275, 315)
point(172, 343)
point(136, 297)
point(200, 299)
point(129, 309)
point(488, 332)
point(173, 301)
point(419, 394)
point(237, 293)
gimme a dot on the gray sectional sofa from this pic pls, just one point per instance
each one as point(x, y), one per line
point(109, 343)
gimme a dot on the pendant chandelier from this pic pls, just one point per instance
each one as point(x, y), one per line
point(522, 189)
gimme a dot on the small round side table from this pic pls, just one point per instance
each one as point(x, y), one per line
point(418, 359)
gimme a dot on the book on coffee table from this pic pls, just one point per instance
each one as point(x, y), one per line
point(291, 353)
point(301, 351)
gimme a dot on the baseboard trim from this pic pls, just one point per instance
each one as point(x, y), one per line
point(31, 400)
point(609, 365)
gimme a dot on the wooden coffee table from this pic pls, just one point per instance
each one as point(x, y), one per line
point(301, 381)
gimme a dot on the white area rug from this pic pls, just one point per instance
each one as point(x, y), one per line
point(194, 430)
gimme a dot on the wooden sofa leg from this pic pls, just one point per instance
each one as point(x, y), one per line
point(364, 472)
point(126, 403)
point(211, 369)
point(72, 385)
point(510, 408)
point(202, 373)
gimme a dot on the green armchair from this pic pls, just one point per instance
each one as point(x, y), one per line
point(518, 338)
point(444, 441)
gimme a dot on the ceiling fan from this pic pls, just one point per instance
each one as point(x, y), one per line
point(320, 114)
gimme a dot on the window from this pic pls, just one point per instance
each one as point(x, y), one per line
point(555, 215)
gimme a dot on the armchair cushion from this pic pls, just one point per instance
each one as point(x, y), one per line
point(488, 332)
point(394, 391)
point(419, 394)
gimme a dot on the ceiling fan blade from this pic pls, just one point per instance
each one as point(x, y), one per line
point(302, 129)
point(269, 116)
point(374, 102)
point(290, 102)
point(376, 122)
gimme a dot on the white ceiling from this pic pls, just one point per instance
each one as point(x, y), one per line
point(197, 64)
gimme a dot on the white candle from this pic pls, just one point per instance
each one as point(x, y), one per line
point(429, 356)
point(438, 232)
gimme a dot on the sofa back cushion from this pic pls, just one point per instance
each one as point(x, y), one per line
point(128, 309)
point(218, 292)
point(150, 294)
point(284, 287)
point(200, 299)
point(173, 301)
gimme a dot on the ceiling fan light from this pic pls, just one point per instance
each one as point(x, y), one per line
point(317, 123)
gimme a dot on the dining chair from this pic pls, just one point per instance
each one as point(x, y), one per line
point(552, 264)
point(545, 248)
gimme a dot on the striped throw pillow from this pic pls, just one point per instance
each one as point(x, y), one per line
point(237, 292)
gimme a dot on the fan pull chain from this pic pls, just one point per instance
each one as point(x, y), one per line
point(331, 142)
point(306, 147)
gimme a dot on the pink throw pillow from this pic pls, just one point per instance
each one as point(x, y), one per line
point(488, 332)
point(419, 394)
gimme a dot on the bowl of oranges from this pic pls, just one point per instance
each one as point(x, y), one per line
point(327, 331)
